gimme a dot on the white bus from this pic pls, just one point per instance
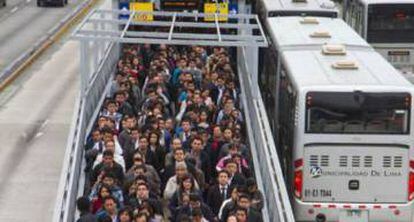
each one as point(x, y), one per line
point(342, 116)
point(386, 24)
point(287, 8)
point(275, 8)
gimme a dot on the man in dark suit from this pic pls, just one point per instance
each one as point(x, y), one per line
point(201, 157)
point(252, 215)
point(150, 157)
point(235, 178)
point(218, 90)
point(219, 192)
point(195, 203)
point(84, 208)
point(143, 195)
point(94, 145)
point(108, 164)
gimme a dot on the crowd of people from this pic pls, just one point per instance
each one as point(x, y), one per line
point(170, 141)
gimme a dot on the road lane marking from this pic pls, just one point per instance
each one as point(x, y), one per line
point(39, 134)
point(76, 16)
point(14, 9)
point(44, 124)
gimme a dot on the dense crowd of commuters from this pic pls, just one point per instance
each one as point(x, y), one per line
point(169, 143)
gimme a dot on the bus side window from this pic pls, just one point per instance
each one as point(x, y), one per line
point(362, 19)
point(287, 107)
point(347, 10)
point(263, 70)
point(353, 15)
point(268, 82)
point(348, 13)
point(357, 18)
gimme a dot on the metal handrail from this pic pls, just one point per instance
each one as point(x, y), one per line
point(85, 110)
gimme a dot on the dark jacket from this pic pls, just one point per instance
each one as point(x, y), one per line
point(205, 165)
point(187, 210)
point(87, 217)
point(238, 179)
point(155, 204)
point(151, 159)
point(254, 216)
point(116, 169)
point(215, 198)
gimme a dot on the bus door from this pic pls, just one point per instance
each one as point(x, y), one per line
point(354, 15)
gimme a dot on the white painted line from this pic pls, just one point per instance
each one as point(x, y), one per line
point(39, 134)
point(14, 9)
point(44, 124)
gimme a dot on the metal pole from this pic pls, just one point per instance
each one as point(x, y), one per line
point(172, 27)
point(217, 26)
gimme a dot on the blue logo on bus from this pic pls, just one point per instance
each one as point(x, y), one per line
point(315, 171)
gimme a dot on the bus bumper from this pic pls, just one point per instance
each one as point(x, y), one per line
point(352, 212)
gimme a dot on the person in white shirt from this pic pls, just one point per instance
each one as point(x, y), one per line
point(110, 145)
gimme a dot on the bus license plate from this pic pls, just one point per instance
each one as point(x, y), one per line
point(353, 216)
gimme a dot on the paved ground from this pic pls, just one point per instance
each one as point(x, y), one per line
point(35, 113)
point(35, 123)
point(23, 24)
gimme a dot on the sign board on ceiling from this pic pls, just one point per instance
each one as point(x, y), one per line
point(222, 10)
point(124, 6)
point(141, 8)
point(180, 5)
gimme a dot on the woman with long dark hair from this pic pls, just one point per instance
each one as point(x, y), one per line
point(187, 186)
point(103, 192)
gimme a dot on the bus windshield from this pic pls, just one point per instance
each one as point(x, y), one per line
point(391, 23)
point(357, 113)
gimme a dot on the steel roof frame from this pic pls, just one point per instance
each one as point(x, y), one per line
point(106, 27)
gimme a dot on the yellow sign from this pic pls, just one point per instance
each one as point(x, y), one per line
point(140, 8)
point(222, 10)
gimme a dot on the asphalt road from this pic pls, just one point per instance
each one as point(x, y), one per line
point(35, 116)
point(35, 111)
point(22, 24)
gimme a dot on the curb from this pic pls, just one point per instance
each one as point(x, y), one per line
point(14, 70)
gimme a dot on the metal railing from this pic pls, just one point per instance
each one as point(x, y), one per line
point(87, 106)
point(277, 203)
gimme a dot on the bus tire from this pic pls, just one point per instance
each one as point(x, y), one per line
point(40, 3)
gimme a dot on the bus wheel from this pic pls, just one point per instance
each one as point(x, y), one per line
point(39, 3)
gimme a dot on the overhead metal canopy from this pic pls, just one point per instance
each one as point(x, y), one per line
point(103, 28)
point(174, 28)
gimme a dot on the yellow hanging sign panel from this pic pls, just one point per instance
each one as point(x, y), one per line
point(141, 7)
point(222, 10)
